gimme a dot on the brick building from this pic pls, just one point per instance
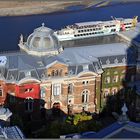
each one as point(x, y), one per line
point(46, 74)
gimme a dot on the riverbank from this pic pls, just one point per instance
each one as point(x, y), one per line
point(31, 7)
point(24, 7)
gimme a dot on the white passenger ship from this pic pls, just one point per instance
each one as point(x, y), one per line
point(93, 29)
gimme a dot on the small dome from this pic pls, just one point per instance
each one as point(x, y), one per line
point(43, 41)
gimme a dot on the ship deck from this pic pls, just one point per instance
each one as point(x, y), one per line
point(132, 35)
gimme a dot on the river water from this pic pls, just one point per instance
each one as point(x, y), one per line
point(12, 27)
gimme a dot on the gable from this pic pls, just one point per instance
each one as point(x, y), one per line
point(56, 64)
point(57, 69)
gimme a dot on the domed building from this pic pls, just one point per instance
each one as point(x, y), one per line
point(43, 75)
point(41, 42)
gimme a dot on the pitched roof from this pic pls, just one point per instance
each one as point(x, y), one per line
point(116, 130)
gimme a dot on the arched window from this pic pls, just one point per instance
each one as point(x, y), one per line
point(106, 93)
point(85, 95)
point(114, 91)
point(56, 89)
point(53, 73)
point(115, 79)
point(42, 92)
point(56, 72)
point(107, 80)
point(60, 72)
point(70, 88)
point(29, 104)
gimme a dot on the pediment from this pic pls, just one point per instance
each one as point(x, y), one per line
point(56, 64)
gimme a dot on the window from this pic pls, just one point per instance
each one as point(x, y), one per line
point(43, 92)
point(60, 72)
point(84, 108)
point(108, 73)
point(114, 91)
point(124, 71)
point(115, 72)
point(113, 30)
point(85, 67)
point(1, 92)
point(56, 89)
point(70, 88)
point(115, 79)
point(124, 60)
point(116, 61)
point(57, 72)
point(107, 80)
point(29, 104)
point(85, 96)
point(53, 72)
point(106, 93)
point(85, 82)
point(132, 78)
point(28, 73)
point(107, 62)
point(122, 77)
point(28, 89)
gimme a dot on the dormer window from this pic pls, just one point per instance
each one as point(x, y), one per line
point(28, 73)
point(107, 61)
point(70, 72)
point(3, 60)
point(85, 67)
point(116, 61)
point(11, 77)
point(42, 75)
point(124, 60)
